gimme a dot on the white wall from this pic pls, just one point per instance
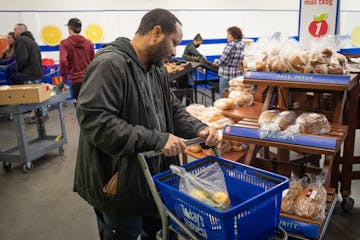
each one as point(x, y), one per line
point(211, 18)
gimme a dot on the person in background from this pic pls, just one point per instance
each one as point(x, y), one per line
point(28, 65)
point(191, 53)
point(8, 58)
point(231, 58)
point(27, 56)
point(10, 50)
point(76, 53)
point(125, 107)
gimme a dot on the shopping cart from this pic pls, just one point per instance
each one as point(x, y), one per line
point(255, 195)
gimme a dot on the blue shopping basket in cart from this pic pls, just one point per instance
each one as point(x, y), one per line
point(255, 198)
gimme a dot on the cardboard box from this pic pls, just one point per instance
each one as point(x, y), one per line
point(24, 94)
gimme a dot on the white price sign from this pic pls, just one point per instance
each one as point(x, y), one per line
point(317, 18)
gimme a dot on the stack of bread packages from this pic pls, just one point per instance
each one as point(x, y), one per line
point(305, 199)
point(288, 56)
point(289, 123)
point(213, 116)
point(240, 95)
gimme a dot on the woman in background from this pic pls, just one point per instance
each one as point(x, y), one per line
point(231, 58)
point(8, 58)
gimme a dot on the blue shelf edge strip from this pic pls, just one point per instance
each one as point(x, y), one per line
point(295, 77)
point(294, 226)
point(298, 139)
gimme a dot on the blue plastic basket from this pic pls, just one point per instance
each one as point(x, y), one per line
point(49, 72)
point(255, 198)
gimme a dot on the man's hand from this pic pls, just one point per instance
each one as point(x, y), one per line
point(173, 146)
point(212, 138)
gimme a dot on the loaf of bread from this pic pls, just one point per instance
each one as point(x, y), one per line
point(261, 66)
point(224, 147)
point(196, 148)
point(327, 53)
point(311, 201)
point(320, 69)
point(313, 123)
point(267, 117)
point(297, 63)
point(221, 123)
point(208, 151)
point(238, 146)
point(335, 69)
point(290, 195)
point(285, 119)
point(224, 103)
point(236, 82)
point(318, 58)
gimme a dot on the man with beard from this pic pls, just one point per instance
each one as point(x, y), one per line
point(125, 107)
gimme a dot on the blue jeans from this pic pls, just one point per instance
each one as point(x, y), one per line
point(223, 84)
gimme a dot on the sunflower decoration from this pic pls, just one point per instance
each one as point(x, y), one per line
point(94, 33)
point(51, 35)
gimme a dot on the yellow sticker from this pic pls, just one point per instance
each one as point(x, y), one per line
point(94, 33)
point(355, 36)
point(51, 35)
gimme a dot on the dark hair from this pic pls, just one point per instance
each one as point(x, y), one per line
point(11, 48)
point(12, 34)
point(74, 24)
point(198, 37)
point(235, 32)
point(158, 17)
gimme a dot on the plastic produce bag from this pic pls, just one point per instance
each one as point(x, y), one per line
point(207, 185)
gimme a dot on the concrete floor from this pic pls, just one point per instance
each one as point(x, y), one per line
point(40, 205)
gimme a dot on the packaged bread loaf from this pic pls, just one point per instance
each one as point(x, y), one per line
point(224, 147)
point(238, 81)
point(241, 98)
point(208, 151)
point(211, 114)
point(267, 117)
point(196, 110)
point(238, 146)
point(289, 196)
point(311, 202)
point(221, 123)
point(285, 119)
point(196, 148)
point(224, 103)
point(313, 123)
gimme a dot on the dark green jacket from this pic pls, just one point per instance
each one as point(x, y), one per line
point(115, 125)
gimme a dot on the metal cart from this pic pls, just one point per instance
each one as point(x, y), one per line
point(27, 151)
point(181, 228)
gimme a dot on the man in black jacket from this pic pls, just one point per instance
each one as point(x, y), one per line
point(28, 56)
point(125, 107)
point(28, 64)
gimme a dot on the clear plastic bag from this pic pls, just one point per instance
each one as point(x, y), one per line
point(207, 185)
point(311, 202)
point(290, 195)
point(313, 123)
